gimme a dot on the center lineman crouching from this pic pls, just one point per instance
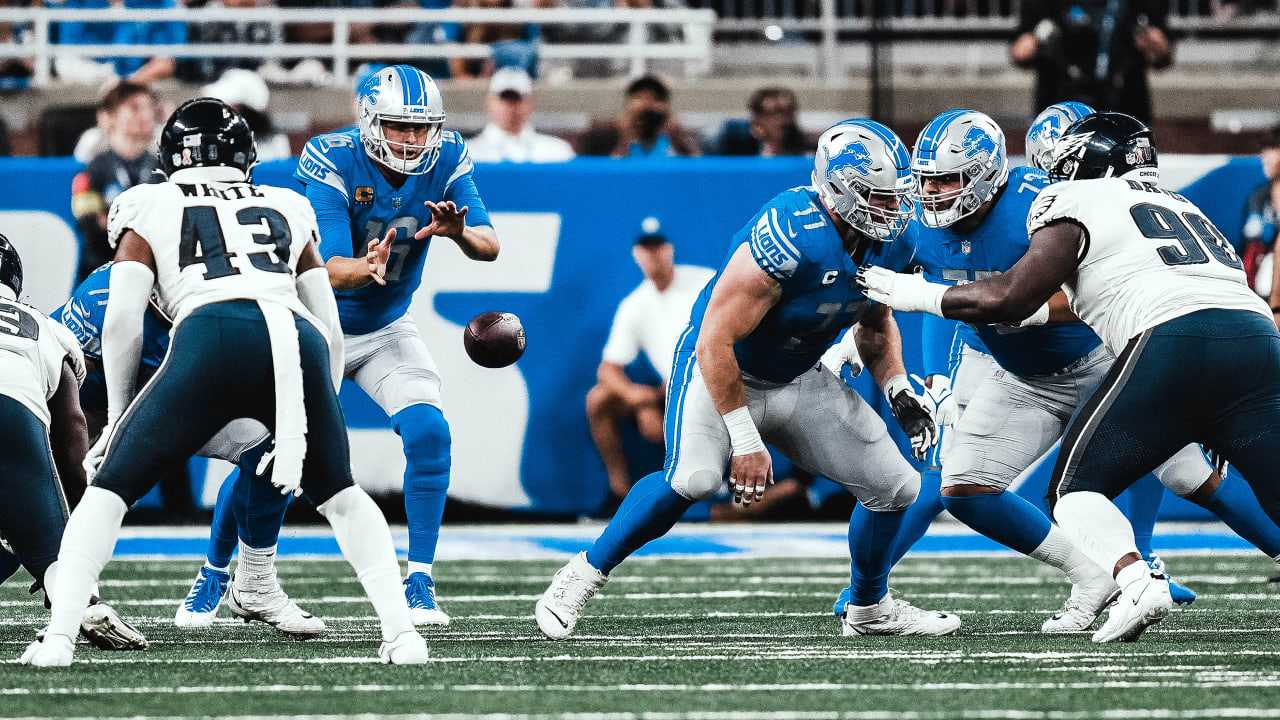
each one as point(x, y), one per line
point(236, 265)
point(746, 371)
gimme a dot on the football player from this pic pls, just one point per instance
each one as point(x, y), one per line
point(43, 434)
point(400, 176)
point(248, 507)
point(754, 340)
point(237, 267)
point(1165, 291)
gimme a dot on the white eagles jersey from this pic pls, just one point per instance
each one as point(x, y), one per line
point(32, 348)
point(217, 239)
point(1149, 255)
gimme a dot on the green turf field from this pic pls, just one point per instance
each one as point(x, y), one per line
point(715, 639)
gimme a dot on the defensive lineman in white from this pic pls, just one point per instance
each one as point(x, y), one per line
point(1164, 290)
point(237, 267)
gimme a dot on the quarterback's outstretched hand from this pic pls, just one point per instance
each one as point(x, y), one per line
point(900, 291)
point(447, 220)
point(937, 391)
point(843, 353)
point(913, 415)
point(378, 255)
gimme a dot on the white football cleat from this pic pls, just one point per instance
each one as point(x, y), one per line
point(52, 651)
point(1084, 606)
point(420, 594)
point(407, 648)
point(1142, 603)
point(559, 608)
point(103, 626)
point(896, 617)
point(270, 604)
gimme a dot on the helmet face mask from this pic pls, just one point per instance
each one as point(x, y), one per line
point(10, 267)
point(963, 144)
point(861, 172)
point(206, 133)
point(396, 95)
point(1048, 127)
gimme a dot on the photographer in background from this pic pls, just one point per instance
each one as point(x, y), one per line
point(1094, 51)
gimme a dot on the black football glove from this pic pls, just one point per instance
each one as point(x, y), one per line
point(913, 416)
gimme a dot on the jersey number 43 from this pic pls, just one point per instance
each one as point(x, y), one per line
point(203, 243)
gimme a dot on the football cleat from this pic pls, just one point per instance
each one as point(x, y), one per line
point(201, 603)
point(407, 648)
point(1142, 603)
point(1085, 605)
point(420, 593)
point(896, 617)
point(269, 604)
point(103, 626)
point(1275, 578)
point(51, 651)
point(844, 598)
point(559, 608)
point(1181, 594)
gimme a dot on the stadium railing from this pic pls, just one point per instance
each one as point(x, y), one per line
point(692, 45)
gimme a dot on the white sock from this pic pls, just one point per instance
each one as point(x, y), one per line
point(365, 540)
point(1058, 550)
point(257, 566)
point(87, 542)
point(1100, 530)
point(415, 567)
point(211, 566)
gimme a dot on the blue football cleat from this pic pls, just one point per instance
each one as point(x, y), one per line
point(1181, 594)
point(846, 597)
point(420, 593)
point(201, 603)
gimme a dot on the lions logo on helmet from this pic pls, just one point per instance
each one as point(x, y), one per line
point(862, 173)
point(963, 150)
point(1048, 127)
point(401, 94)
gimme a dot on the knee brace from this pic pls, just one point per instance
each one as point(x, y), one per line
point(427, 442)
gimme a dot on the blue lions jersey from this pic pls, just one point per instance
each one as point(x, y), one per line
point(794, 241)
point(993, 247)
point(83, 315)
point(354, 204)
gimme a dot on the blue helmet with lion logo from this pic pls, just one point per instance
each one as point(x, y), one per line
point(1048, 127)
point(964, 149)
point(402, 94)
point(862, 173)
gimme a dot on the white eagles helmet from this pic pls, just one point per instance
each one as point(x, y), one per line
point(965, 143)
point(1048, 127)
point(862, 172)
point(401, 93)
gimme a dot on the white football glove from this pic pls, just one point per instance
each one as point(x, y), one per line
point(290, 454)
point(901, 291)
point(843, 353)
point(914, 415)
point(937, 391)
point(93, 458)
point(1039, 317)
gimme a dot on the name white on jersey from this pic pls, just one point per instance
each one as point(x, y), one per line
point(1149, 256)
point(217, 240)
point(32, 348)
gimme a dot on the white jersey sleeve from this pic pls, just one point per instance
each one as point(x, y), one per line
point(1148, 256)
point(32, 350)
point(218, 240)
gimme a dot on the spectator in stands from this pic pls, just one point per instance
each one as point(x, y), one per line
point(509, 137)
point(772, 130)
point(247, 92)
point(1094, 52)
point(139, 70)
point(1261, 223)
point(608, 34)
point(511, 44)
point(130, 112)
point(648, 320)
point(16, 72)
point(645, 129)
point(227, 32)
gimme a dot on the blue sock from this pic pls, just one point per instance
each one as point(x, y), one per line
point(259, 505)
point(920, 515)
point(1238, 507)
point(871, 538)
point(427, 443)
point(1003, 517)
point(222, 535)
point(8, 565)
point(1142, 508)
point(650, 509)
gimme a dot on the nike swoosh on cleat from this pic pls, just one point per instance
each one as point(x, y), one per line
point(563, 624)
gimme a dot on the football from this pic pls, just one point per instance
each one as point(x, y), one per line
point(494, 339)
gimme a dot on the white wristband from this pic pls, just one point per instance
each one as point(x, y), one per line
point(743, 434)
point(895, 385)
